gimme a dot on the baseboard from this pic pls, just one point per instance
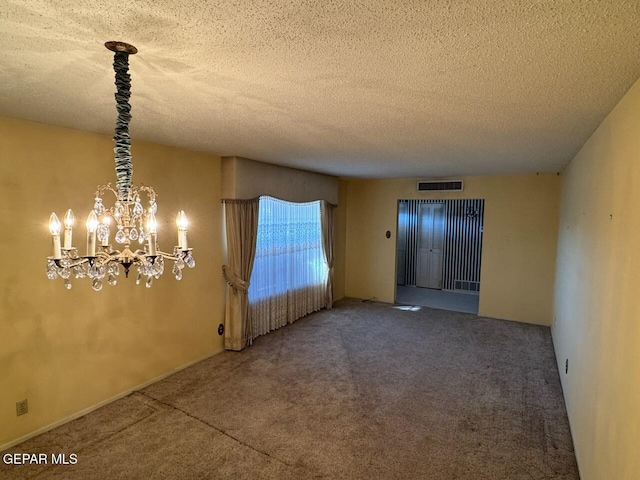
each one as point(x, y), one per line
point(120, 395)
point(566, 405)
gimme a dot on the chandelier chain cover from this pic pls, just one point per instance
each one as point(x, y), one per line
point(133, 222)
point(121, 139)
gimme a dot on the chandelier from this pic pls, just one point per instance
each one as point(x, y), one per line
point(130, 220)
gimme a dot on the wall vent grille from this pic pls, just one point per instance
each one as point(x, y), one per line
point(440, 186)
point(467, 286)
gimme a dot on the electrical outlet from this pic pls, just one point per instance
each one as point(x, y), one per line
point(22, 407)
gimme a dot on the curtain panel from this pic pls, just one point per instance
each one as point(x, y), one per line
point(327, 218)
point(241, 217)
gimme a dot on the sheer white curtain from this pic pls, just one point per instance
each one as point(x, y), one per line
point(289, 277)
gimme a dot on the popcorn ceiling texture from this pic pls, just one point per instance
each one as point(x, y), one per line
point(355, 88)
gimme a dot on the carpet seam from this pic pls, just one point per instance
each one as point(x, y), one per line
point(52, 467)
point(228, 435)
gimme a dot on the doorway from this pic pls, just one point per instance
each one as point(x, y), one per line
point(439, 247)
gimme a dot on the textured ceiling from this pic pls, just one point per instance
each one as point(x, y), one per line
point(355, 88)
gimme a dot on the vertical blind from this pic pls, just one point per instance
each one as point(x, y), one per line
point(463, 244)
point(290, 271)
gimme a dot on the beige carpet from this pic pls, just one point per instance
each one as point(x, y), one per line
point(363, 391)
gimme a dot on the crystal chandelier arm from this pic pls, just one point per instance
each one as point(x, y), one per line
point(173, 256)
point(122, 149)
point(69, 263)
point(104, 188)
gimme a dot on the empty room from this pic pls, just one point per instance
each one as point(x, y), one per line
point(333, 239)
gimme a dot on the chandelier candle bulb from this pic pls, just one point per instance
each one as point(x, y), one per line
point(68, 229)
point(54, 228)
point(92, 226)
point(183, 224)
point(152, 230)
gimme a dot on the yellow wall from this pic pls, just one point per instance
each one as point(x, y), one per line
point(519, 243)
point(340, 242)
point(66, 351)
point(597, 311)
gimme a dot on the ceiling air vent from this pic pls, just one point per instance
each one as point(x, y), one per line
point(439, 186)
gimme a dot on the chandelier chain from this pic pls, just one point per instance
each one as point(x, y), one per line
point(121, 138)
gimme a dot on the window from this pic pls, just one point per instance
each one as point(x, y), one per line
point(289, 275)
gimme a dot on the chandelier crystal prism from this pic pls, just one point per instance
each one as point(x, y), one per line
point(134, 224)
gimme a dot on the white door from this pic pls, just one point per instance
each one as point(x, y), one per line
point(430, 244)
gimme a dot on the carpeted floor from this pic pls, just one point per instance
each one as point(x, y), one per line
point(363, 391)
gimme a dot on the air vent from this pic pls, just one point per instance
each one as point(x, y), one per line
point(439, 186)
point(466, 286)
